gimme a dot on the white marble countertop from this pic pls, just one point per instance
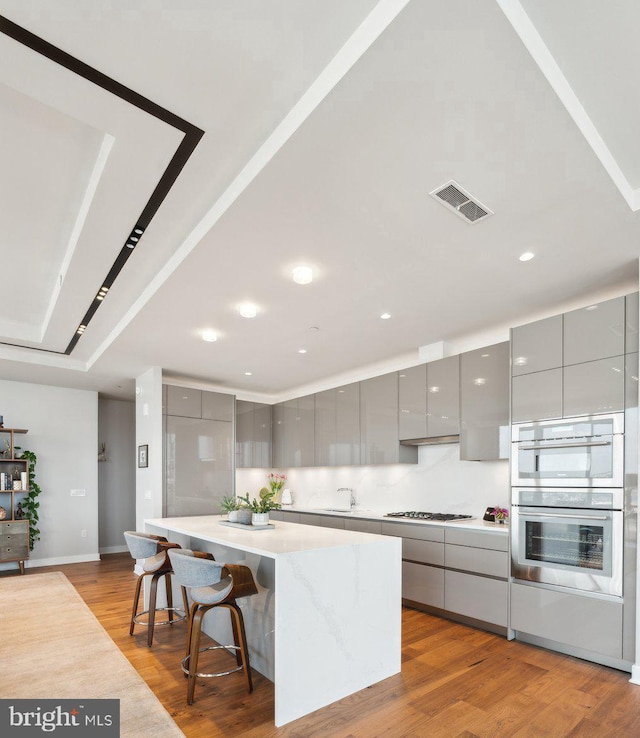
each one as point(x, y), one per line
point(283, 538)
point(472, 523)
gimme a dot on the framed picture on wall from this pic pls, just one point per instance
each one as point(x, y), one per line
point(143, 456)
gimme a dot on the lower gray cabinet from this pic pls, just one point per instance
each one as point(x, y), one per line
point(362, 526)
point(325, 521)
point(423, 584)
point(480, 598)
point(568, 619)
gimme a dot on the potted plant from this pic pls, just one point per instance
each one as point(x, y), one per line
point(500, 514)
point(230, 505)
point(261, 506)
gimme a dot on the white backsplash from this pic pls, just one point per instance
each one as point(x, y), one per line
point(439, 482)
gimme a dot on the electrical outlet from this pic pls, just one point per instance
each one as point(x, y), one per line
point(78, 493)
point(147, 494)
point(83, 533)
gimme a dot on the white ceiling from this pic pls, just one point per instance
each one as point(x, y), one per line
point(326, 126)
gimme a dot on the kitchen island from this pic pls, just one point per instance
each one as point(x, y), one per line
point(327, 619)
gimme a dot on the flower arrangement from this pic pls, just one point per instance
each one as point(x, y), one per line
point(276, 482)
point(500, 514)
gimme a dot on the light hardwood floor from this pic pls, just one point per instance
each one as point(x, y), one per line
point(456, 682)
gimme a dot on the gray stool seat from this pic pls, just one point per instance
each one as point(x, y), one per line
point(210, 585)
point(153, 551)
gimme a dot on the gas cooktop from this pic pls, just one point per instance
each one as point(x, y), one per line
point(442, 517)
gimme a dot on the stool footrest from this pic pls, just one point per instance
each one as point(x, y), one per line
point(181, 615)
point(185, 662)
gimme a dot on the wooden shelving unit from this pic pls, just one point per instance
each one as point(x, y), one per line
point(14, 533)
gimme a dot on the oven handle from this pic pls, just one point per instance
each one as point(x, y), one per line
point(564, 445)
point(564, 515)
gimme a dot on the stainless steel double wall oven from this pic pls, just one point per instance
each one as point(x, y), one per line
point(568, 500)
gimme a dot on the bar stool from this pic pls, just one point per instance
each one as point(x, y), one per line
point(156, 564)
point(212, 584)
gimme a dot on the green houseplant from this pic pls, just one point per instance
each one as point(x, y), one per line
point(230, 505)
point(30, 503)
point(261, 506)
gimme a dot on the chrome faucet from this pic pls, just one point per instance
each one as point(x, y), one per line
point(352, 497)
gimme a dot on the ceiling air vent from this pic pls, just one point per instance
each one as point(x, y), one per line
point(460, 202)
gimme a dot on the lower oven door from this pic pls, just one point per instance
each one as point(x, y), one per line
point(581, 549)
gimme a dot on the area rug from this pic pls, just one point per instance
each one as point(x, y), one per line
point(53, 647)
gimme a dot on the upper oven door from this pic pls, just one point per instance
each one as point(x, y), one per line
point(578, 452)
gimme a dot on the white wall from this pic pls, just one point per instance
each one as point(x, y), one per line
point(63, 433)
point(116, 475)
point(439, 482)
point(149, 433)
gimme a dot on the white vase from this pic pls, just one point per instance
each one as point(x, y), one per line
point(233, 516)
point(260, 518)
point(286, 498)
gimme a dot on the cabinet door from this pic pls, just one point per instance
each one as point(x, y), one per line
point(536, 346)
point(217, 406)
point(199, 465)
point(412, 394)
point(184, 402)
point(536, 396)
point(325, 427)
point(277, 436)
point(594, 332)
point(244, 434)
point(443, 397)
point(305, 436)
point(423, 584)
point(484, 403)
point(347, 400)
point(363, 526)
point(379, 442)
point(594, 387)
point(480, 598)
point(631, 325)
point(261, 435)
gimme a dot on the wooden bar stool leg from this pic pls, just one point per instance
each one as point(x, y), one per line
point(136, 599)
point(236, 635)
point(152, 607)
point(185, 601)
point(169, 591)
point(236, 615)
point(194, 652)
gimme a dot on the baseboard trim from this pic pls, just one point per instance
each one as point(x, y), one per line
point(57, 560)
point(114, 549)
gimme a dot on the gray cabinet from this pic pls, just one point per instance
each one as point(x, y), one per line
point(443, 397)
point(293, 432)
point(480, 598)
point(536, 396)
point(536, 346)
point(363, 526)
point(379, 439)
point(184, 402)
point(325, 521)
point(484, 403)
point(217, 406)
point(337, 426)
point(423, 585)
point(594, 332)
point(594, 387)
point(412, 398)
point(253, 435)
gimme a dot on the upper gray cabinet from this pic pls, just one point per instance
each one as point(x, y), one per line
point(443, 397)
point(253, 434)
point(337, 426)
point(412, 394)
point(631, 341)
point(595, 332)
point(217, 406)
point(536, 346)
point(293, 432)
point(184, 402)
point(594, 387)
point(379, 437)
point(536, 396)
point(484, 403)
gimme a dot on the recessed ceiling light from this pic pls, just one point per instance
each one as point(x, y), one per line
point(302, 351)
point(302, 275)
point(248, 310)
point(385, 316)
point(527, 256)
point(248, 374)
point(209, 336)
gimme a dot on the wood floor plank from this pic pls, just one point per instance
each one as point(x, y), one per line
point(456, 681)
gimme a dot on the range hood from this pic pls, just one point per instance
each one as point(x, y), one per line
point(432, 441)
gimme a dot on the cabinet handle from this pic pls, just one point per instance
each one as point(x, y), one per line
point(564, 515)
point(564, 445)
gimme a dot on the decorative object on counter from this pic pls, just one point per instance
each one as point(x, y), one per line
point(30, 503)
point(263, 504)
point(231, 506)
point(286, 497)
point(276, 482)
point(496, 514)
point(3, 513)
point(143, 456)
